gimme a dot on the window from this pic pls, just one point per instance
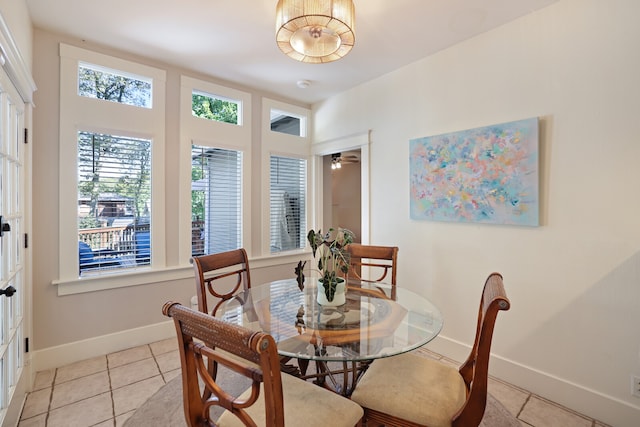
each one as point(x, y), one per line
point(114, 202)
point(288, 123)
point(215, 146)
point(284, 138)
point(212, 107)
point(112, 136)
point(114, 86)
point(288, 184)
point(216, 200)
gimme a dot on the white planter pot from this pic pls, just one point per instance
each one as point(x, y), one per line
point(339, 298)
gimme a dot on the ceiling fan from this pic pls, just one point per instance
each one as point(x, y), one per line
point(346, 158)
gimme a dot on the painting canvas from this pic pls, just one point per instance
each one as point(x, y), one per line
point(485, 175)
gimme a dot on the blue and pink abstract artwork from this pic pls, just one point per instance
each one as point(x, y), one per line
point(485, 175)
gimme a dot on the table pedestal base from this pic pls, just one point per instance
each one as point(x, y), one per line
point(341, 380)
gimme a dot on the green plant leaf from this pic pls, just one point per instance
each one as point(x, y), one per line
point(329, 250)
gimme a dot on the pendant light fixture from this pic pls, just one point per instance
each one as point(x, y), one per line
point(315, 31)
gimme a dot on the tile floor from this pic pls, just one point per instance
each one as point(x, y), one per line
point(106, 390)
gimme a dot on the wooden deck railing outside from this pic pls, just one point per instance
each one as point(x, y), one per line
point(123, 238)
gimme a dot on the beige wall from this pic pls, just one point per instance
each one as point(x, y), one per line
point(16, 15)
point(572, 333)
point(60, 320)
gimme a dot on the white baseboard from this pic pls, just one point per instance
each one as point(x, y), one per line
point(54, 357)
point(592, 403)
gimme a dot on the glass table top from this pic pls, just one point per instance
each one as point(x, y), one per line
point(376, 321)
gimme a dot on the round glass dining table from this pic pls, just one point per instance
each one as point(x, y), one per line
point(377, 320)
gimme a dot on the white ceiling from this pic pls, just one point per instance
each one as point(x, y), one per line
point(234, 40)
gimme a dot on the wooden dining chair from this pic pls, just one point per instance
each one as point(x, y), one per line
point(215, 268)
point(271, 399)
point(410, 390)
point(381, 262)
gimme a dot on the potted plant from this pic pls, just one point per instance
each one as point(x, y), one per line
point(329, 250)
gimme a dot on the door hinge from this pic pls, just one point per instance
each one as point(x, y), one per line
point(26, 135)
point(26, 241)
point(26, 345)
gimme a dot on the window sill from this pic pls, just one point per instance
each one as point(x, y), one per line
point(121, 280)
point(147, 276)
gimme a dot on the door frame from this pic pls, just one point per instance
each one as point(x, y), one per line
point(19, 74)
point(359, 141)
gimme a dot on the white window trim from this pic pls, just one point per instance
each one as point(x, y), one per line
point(281, 144)
point(211, 133)
point(88, 114)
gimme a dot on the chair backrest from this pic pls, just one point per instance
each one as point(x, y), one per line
point(380, 260)
point(235, 262)
point(246, 353)
point(475, 370)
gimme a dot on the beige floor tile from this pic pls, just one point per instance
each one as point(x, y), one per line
point(37, 421)
point(168, 376)
point(81, 388)
point(121, 419)
point(136, 374)
point(128, 356)
point(81, 369)
point(164, 346)
point(130, 397)
point(133, 372)
point(44, 379)
point(84, 413)
point(168, 361)
point(542, 413)
point(511, 397)
point(37, 403)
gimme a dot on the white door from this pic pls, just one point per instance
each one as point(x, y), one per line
point(12, 271)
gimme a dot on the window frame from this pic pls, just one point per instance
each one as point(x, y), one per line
point(214, 134)
point(80, 113)
point(276, 143)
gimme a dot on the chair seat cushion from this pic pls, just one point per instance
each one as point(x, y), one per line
point(413, 388)
point(305, 404)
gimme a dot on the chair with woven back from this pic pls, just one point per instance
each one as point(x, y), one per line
point(221, 267)
point(271, 400)
point(410, 390)
point(223, 275)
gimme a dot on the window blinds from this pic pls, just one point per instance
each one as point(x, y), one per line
point(288, 182)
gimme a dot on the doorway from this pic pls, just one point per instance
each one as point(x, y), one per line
point(14, 374)
point(342, 187)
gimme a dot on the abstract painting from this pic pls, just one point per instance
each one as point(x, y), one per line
point(485, 175)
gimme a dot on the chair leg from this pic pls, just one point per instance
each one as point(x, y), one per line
point(287, 368)
point(303, 364)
